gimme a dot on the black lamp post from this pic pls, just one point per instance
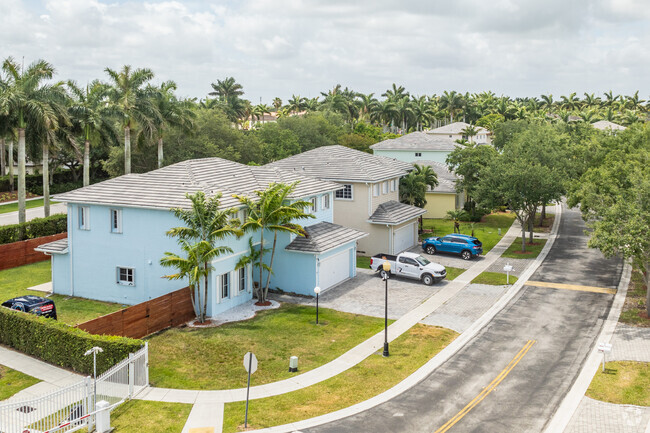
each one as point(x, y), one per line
point(317, 291)
point(385, 277)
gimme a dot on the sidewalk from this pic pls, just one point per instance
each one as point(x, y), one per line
point(37, 212)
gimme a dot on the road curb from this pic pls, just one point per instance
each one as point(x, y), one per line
point(572, 400)
point(437, 360)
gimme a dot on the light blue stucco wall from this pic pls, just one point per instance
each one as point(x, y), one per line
point(409, 155)
point(61, 273)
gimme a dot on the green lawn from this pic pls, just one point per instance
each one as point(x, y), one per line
point(532, 250)
point(623, 382)
point(634, 310)
point(548, 223)
point(70, 310)
point(493, 278)
point(367, 379)
point(13, 207)
point(486, 231)
point(211, 358)
point(150, 417)
point(363, 262)
point(12, 381)
point(452, 273)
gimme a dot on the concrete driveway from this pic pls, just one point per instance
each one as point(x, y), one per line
point(364, 294)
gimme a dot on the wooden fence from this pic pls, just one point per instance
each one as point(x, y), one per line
point(140, 320)
point(22, 252)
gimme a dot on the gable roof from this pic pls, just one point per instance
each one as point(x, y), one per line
point(446, 178)
point(456, 128)
point(323, 237)
point(393, 212)
point(342, 164)
point(606, 124)
point(166, 187)
point(417, 141)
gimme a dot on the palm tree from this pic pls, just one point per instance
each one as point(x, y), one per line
point(270, 210)
point(263, 109)
point(610, 99)
point(227, 89)
point(133, 100)
point(547, 102)
point(365, 104)
point(570, 102)
point(634, 102)
point(470, 131)
point(172, 113)
point(90, 114)
point(205, 225)
point(422, 111)
point(451, 101)
point(589, 116)
point(413, 189)
point(28, 101)
point(395, 93)
point(297, 104)
point(591, 100)
point(277, 103)
point(427, 174)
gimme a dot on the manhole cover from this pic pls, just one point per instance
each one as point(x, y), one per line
point(26, 409)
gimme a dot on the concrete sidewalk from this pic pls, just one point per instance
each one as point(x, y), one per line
point(37, 212)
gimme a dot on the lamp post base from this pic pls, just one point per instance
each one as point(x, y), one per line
point(385, 350)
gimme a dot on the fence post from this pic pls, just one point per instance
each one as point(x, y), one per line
point(103, 417)
point(131, 375)
point(90, 402)
point(146, 363)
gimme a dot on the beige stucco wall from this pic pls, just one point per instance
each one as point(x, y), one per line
point(383, 198)
point(438, 204)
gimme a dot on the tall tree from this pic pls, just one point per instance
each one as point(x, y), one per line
point(451, 101)
point(133, 100)
point(173, 112)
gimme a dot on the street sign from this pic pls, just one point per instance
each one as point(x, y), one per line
point(250, 361)
point(604, 347)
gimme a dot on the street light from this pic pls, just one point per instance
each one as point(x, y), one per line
point(385, 277)
point(317, 291)
point(95, 350)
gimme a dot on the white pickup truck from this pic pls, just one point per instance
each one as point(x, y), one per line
point(410, 265)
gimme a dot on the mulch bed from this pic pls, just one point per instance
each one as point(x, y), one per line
point(13, 196)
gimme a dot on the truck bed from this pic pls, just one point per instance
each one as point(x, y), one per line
point(388, 257)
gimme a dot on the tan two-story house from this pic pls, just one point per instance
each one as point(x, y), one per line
point(369, 196)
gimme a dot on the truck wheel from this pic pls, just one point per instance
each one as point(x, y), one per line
point(431, 250)
point(466, 255)
point(384, 275)
point(427, 279)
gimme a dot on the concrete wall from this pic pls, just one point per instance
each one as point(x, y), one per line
point(438, 204)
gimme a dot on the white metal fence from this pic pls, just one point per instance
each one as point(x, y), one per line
point(68, 409)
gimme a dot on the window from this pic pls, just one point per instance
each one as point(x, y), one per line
point(325, 202)
point(126, 276)
point(242, 280)
point(449, 135)
point(225, 285)
point(384, 188)
point(241, 216)
point(116, 221)
point(313, 204)
point(408, 261)
point(418, 154)
point(393, 185)
point(375, 190)
point(84, 218)
point(344, 193)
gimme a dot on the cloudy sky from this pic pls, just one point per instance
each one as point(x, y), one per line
point(285, 47)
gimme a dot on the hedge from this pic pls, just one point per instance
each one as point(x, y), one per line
point(35, 228)
point(60, 344)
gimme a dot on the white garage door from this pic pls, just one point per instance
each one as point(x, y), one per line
point(334, 269)
point(404, 238)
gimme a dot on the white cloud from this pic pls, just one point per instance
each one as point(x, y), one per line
point(515, 47)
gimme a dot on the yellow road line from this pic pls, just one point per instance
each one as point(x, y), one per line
point(571, 287)
point(488, 389)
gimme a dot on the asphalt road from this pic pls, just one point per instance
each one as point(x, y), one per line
point(513, 375)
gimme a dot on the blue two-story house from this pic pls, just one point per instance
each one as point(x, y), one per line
point(117, 236)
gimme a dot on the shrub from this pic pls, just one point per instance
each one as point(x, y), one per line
point(60, 344)
point(35, 228)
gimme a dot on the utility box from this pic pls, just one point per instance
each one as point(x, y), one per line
point(293, 364)
point(103, 417)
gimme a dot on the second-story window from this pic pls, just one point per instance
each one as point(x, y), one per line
point(418, 154)
point(313, 202)
point(225, 285)
point(116, 221)
point(375, 190)
point(84, 218)
point(393, 185)
point(325, 202)
point(384, 187)
point(344, 193)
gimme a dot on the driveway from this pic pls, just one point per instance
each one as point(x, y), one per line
point(364, 294)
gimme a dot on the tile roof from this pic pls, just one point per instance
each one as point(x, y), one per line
point(606, 124)
point(57, 247)
point(417, 141)
point(340, 163)
point(446, 178)
point(323, 237)
point(393, 212)
point(456, 128)
point(165, 188)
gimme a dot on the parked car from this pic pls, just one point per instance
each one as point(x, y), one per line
point(32, 304)
point(410, 265)
point(467, 246)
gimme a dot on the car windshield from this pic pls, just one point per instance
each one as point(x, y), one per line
point(421, 260)
point(477, 242)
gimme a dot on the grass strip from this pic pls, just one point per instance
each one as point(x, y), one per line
point(12, 381)
point(367, 379)
point(211, 358)
point(13, 207)
point(493, 278)
point(363, 262)
point(532, 250)
point(634, 310)
point(452, 273)
point(623, 382)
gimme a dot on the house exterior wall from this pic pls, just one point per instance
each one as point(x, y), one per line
point(61, 273)
point(438, 204)
point(383, 198)
point(409, 155)
point(394, 228)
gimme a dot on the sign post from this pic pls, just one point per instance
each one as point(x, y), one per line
point(250, 364)
point(508, 268)
point(604, 348)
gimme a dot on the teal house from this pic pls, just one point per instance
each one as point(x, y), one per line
point(416, 147)
point(117, 236)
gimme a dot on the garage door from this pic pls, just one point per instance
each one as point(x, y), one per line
point(334, 269)
point(404, 238)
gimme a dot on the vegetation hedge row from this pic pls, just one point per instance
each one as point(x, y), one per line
point(34, 182)
point(33, 229)
point(60, 344)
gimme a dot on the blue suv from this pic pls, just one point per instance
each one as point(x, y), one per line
point(467, 246)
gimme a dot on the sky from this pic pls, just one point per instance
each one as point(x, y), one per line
point(282, 48)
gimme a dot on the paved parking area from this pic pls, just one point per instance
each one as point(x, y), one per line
point(447, 259)
point(364, 294)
